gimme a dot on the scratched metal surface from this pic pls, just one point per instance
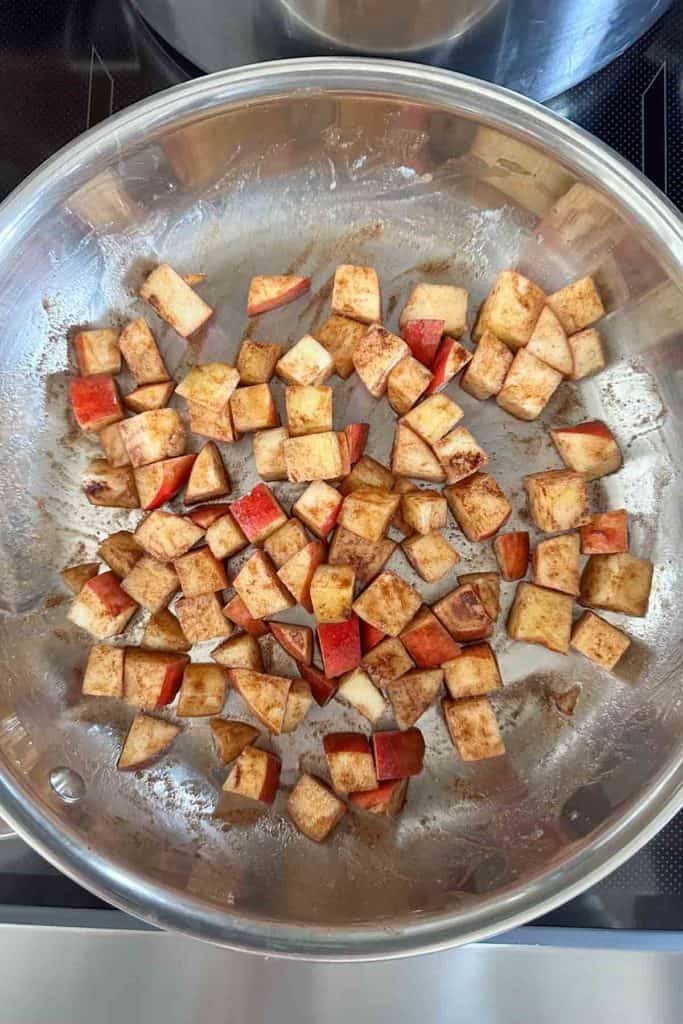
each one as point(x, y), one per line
point(301, 185)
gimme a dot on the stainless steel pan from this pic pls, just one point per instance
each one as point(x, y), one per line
point(426, 175)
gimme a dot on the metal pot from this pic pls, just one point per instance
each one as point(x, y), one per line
point(425, 175)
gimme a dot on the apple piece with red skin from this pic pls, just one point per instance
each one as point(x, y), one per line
point(512, 554)
point(318, 508)
point(388, 798)
point(95, 401)
point(423, 338)
point(151, 679)
point(344, 453)
point(298, 572)
point(258, 514)
point(428, 643)
point(297, 641)
point(349, 759)
point(449, 360)
point(588, 448)
point(147, 739)
point(398, 754)
point(370, 636)
point(339, 646)
point(230, 737)
point(76, 576)
point(236, 611)
point(254, 775)
point(606, 533)
point(268, 292)
point(206, 515)
point(161, 481)
point(102, 607)
point(322, 688)
point(464, 615)
point(357, 437)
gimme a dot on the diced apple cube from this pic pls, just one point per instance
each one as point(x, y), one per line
point(95, 401)
point(236, 610)
point(402, 486)
point(479, 506)
point(256, 361)
point(589, 448)
point(618, 583)
point(225, 538)
point(360, 693)
point(210, 385)
point(605, 533)
point(339, 644)
point(200, 572)
point(313, 457)
point(298, 571)
point(587, 353)
point(332, 592)
point(163, 632)
point(528, 386)
point(349, 759)
point(230, 737)
point(480, 325)
point(299, 701)
point(152, 436)
point(202, 618)
point(296, 641)
point(101, 607)
point(158, 482)
point(287, 541)
point(318, 507)
point(110, 486)
point(268, 292)
point(398, 754)
point(120, 551)
point(424, 511)
point(356, 293)
point(375, 356)
point(322, 688)
point(76, 576)
point(314, 808)
point(512, 554)
point(97, 351)
point(577, 305)
point(175, 301)
point(309, 409)
point(548, 342)
point(473, 728)
point(423, 338)
point(430, 555)
point(141, 353)
point(427, 642)
point(254, 775)
point(463, 614)
point(387, 661)
point(269, 453)
point(218, 426)
point(459, 454)
point(340, 335)
point(147, 739)
point(151, 583)
point(202, 691)
point(555, 563)
point(433, 418)
point(407, 381)
point(306, 363)
point(388, 798)
point(487, 369)
point(241, 651)
point(388, 603)
point(264, 695)
point(103, 676)
point(558, 499)
point(513, 308)
point(366, 558)
point(258, 514)
point(540, 616)
point(367, 472)
point(412, 694)
point(367, 512)
point(449, 360)
point(599, 640)
point(369, 636)
point(487, 586)
point(253, 408)
point(411, 456)
point(208, 477)
point(258, 585)
point(357, 438)
point(473, 672)
point(345, 452)
point(115, 451)
point(151, 679)
point(149, 397)
point(437, 302)
point(166, 536)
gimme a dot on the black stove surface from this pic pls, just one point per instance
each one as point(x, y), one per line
point(70, 63)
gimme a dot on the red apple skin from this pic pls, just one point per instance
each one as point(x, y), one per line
point(236, 611)
point(316, 552)
point(430, 644)
point(512, 552)
point(206, 515)
point(271, 780)
point(440, 372)
point(329, 524)
point(171, 684)
point(293, 291)
point(322, 688)
point(345, 452)
point(281, 634)
point(595, 428)
point(174, 474)
point(256, 512)
point(95, 401)
point(339, 646)
point(388, 798)
point(398, 754)
point(423, 338)
point(345, 743)
point(606, 534)
point(370, 636)
point(357, 437)
point(110, 593)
